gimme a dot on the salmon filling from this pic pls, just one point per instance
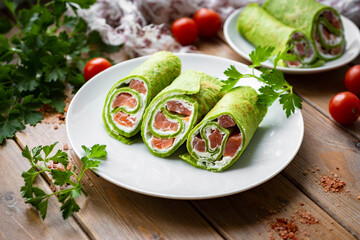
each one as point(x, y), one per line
point(160, 143)
point(124, 119)
point(331, 36)
point(178, 107)
point(162, 123)
point(138, 86)
point(233, 144)
point(226, 121)
point(125, 100)
point(169, 122)
point(302, 49)
point(198, 143)
point(216, 138)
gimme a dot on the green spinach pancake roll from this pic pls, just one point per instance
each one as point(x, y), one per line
point(127, 100)
point(176, 109)
point(224, 133)
point(319, 22)
point(262, 29)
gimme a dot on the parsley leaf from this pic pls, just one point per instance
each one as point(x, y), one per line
point(96, 151)
point(29, 177)
point(275, 84)
point(69, 207)
point(289, 102)
point(39, 158)
point(233, 77)
point(60, 157)
point(267, 96)
point(274, 78)
point(260, 54)
point(38, 62)
point(39, 201)
point(10, 125)
point(60, 177)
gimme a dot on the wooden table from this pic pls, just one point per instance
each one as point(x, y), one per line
point(111, 212)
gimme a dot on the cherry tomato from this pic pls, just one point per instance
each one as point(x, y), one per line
point(184, 30)
point(94, 66)
point(352, 80)
point(344, 108)
point(208, 22)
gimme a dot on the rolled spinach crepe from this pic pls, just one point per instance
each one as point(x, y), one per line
point(224, 133)
point(262, 29)
point(128, 98)
point(319, 22)
point(176, 109)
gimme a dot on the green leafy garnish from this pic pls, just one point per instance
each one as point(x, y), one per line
point(63, 176)
point(233, 77)
point(259, 55)
point(40, 59)
point(275, 84)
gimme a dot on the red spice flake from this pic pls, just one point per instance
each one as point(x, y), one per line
point(337, 168)
point(65, 147)
point(307, 218)
point(285, 228)
point(68, 167)
point(331, 184)
point(60, 116)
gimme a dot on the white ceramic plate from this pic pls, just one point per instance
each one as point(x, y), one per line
point(133, 167)
point(244, 48)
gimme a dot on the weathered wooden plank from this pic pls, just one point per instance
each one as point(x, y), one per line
point(19, 220)
point(111, 212)
point(216, 46)
point(251, 214)
point(318, 89)
point(328, 150)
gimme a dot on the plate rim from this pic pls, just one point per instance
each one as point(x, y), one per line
point(173, 196)
point(287, 69)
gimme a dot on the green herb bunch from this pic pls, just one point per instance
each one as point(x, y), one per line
point(40, 158)
point(275, 84)
point(46, 52)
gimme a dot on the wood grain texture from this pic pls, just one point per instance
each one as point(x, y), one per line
point(328, 150)
point(111, 212)
point(19, 220)
point(318, 89)
point(250, 215)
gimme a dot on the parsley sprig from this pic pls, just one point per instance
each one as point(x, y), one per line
point(65, 177)
point(48, 51)
point(275, 84)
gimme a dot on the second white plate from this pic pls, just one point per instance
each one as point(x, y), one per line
point(272, 148)
point(244, 48)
